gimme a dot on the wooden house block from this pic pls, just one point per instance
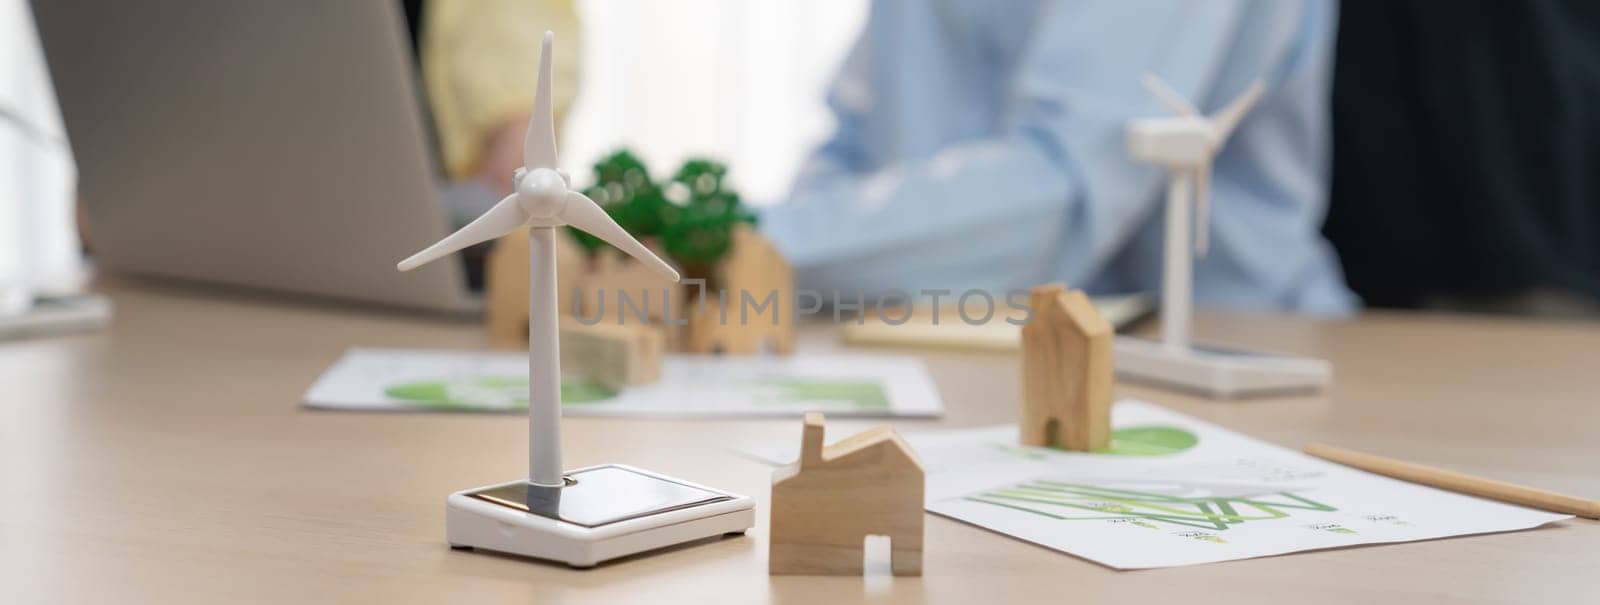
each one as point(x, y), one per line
point(1066, 372)
point(506, 286)
point(616, 356)
point(755, 316)
point(826, 504)
point(624, 290)
point(505, 289)
point(611, 283)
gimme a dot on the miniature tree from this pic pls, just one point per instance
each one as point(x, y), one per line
point(701, 235)
point(693, 214)
point(624, 189)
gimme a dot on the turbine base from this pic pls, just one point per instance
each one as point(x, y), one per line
point(1219, 372)
point(604, 512)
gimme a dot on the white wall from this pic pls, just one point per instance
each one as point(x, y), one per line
point(739, 80)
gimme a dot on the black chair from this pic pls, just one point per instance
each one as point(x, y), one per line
point(1466, 156)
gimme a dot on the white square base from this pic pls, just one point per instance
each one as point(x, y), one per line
point(649, 511)
point(1217, 372)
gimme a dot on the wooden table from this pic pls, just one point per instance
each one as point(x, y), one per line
point(167, 460)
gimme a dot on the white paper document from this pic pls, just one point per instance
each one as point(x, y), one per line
point(1172, 490)
point(690, 385)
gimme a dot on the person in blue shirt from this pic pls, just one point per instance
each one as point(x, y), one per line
point(982, 145)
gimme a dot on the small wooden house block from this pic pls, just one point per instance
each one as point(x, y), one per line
point(506, 286)
point(606, 271)
point(764, 323)
point(826, 504)
point(614, 355)
point(1066, 372)
point(617, 283)
point(755, 316)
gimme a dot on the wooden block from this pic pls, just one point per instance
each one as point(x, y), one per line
point(505, 289)
point(826, 504)
point(765, 323)
point(616, 356)
point(1066, 372)
point(612, 276)
point(752, 265)
point(506, 286)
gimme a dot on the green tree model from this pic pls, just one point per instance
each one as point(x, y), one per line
point(693, 214)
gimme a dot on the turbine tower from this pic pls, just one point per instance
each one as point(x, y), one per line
point(1185, 144)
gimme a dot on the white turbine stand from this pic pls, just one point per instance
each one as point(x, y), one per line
point(1186, 144)
point(591, 514)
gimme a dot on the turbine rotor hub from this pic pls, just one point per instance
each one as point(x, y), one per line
point(542, 193)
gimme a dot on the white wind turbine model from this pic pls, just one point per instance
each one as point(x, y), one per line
point(590, 514)
point(1186, 144)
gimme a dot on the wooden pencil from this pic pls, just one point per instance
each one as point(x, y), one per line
point(1459, 482)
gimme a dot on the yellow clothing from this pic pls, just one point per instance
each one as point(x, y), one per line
point(480, 63)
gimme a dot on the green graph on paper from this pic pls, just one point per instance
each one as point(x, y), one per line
point(490, 392)
point(860, 395)
point(1069, 501)
point(511, 393)
point(1144, 440)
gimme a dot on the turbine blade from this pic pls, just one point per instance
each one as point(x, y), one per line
point(539, 144)
point(503, 218)
point(1168, 96)
point(1202, 209)
point(583, 213)
point(1226, 119)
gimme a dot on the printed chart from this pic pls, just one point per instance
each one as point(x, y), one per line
point(690, 385)
point(1173, 490)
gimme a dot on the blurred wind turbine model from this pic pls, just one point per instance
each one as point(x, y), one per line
point(1187, 144)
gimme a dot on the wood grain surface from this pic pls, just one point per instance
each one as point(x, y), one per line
point(167, 459)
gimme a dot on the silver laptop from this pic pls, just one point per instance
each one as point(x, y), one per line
point(276, 145)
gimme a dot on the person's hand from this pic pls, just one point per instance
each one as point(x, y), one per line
point(502, 153)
